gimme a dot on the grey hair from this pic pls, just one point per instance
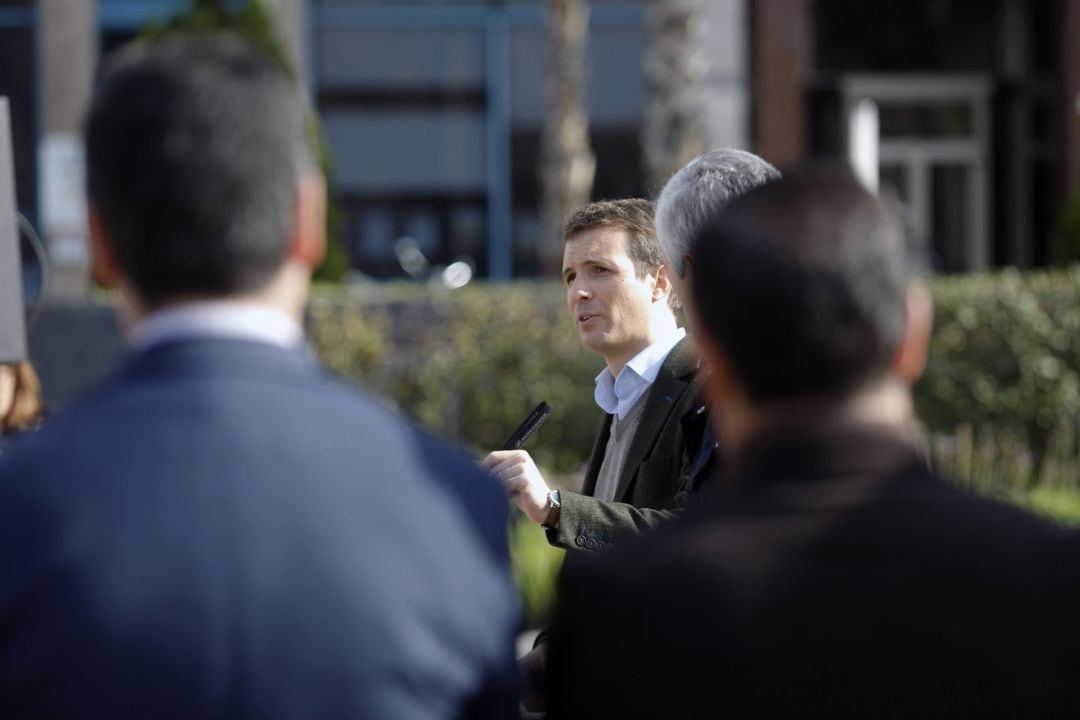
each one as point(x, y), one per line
point(698, 191)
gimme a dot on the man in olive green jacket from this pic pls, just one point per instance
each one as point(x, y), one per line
point(645, 478)
point(620, 297)
point(637, 479)
point(652, 480)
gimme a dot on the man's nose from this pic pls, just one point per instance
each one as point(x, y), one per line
point(580, 291)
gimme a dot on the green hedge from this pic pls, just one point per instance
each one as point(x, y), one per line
point(1001, 396)
point(1004, 369)
point(470, 364)
point(1005, 362)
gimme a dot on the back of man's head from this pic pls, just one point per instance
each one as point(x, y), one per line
point(195, 148)
point(698, 191)
point(801, 283)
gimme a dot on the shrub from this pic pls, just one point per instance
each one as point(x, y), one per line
point(1000, 398)
point(1005, 360)
point(469, 364)
point(536, 565)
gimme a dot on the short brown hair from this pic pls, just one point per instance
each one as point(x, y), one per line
point(633, 215)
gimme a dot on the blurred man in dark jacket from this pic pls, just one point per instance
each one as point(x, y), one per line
point(835, 575)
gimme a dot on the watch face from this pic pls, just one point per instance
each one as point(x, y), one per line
point(556, 499)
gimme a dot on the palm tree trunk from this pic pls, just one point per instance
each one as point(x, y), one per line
point(567, 164)
point(675, 68)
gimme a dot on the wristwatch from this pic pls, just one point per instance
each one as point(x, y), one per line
point(551, 521)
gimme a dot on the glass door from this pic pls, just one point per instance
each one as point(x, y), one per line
point(934, 140)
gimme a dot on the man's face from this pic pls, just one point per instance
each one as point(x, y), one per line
point(611, 307)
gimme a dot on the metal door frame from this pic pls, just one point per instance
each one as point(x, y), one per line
point(919, 154)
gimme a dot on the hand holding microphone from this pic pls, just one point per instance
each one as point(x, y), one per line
point(517, 472)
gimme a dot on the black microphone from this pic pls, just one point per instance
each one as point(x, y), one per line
point(526, 429)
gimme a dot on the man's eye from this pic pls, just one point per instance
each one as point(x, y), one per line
point(570, 278)
point(597, 270)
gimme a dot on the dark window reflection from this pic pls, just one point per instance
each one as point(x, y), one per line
point(905, 35)
point(16, 83)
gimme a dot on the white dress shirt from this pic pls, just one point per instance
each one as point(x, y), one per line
point(216, 319)
point(617, 395)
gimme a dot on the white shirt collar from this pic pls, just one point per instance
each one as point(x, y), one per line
point(216, 319)
point(616, 395)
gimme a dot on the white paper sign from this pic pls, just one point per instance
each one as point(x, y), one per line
point(63, 198)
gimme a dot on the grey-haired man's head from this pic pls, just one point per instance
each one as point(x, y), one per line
point(695, 194)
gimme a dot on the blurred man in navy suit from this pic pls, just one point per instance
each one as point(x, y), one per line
point(225, 530)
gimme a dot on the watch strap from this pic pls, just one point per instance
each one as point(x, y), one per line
point(551, 520)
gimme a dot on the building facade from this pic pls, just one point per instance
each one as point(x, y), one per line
point(433, 111)
point(978, 102)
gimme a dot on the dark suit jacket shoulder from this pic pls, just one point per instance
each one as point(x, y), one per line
point(227, 531)
point(656, 466)
point(835, 576)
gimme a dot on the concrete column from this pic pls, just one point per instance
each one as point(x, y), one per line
point(68, 52)
point(780, 33)
point(1070, 78)
point(291, 18)
point(727, 95)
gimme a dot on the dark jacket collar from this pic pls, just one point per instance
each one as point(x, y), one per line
point(825, 450)
point(677, 371)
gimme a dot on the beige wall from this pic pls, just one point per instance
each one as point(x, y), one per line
point(727, 98)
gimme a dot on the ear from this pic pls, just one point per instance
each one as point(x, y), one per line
point(105, 269)
point(909, 361)
point(308, 242)
point(662, 285)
